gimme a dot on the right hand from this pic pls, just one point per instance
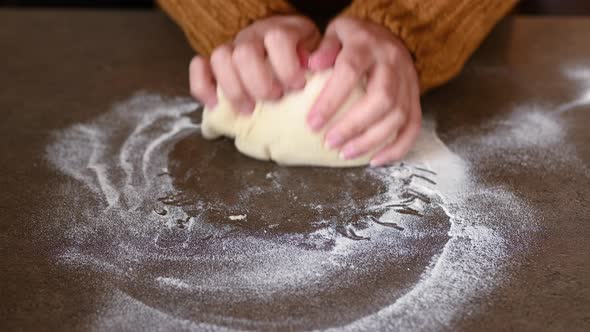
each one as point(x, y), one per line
point(388, 117)
point(265, 60)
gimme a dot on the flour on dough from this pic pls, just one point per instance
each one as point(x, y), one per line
point(277, 130)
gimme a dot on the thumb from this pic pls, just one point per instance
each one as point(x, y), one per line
point(325, 55)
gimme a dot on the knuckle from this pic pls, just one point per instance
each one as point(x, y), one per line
point(329, 108)
point(371, 38)
point(392, 48)
point(236, 98)
point(307, 24)
point(390, 51)
point(397, 120)
point(323, 109)
point(220, 55)
point(352, 128)
point(289, 75)
point(340, 22)
point(350, 66)
point(243, 53)
point(355, 123)
point(264, 89)
point(370, 142)
point(260, 84)
point(382, 136)
point(277, 36)
point(248, 33)
point(365, 37)
point(235, 94)
point(384, 100)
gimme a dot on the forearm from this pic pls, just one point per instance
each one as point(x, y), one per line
point(440, 34)
point(210, 23)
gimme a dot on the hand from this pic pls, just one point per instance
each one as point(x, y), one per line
point(358, 49)
point(263, 62)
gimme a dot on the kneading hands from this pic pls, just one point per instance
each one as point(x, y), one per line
point(271, 56)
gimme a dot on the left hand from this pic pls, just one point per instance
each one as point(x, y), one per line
point(262, 62)
point(389, 114)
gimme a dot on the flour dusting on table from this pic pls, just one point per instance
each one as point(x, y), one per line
point(433, 241)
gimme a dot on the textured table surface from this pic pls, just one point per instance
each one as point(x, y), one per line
point(517, 117)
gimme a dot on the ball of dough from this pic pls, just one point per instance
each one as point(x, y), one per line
point(277, 130)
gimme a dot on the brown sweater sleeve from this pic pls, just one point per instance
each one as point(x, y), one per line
point(440, 34)
point(210, 23)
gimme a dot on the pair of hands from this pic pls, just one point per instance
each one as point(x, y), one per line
point(273, 55)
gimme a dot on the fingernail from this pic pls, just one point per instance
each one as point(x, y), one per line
point(247, 108)
point(349, 152)
point(333, 141)
point(211, 103)
point(316, 122)
point(304, 58)
point(299, 84)
point(277, 92)
point(312, 62)
point(376, 163)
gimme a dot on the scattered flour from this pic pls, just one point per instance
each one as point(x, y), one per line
point(173, 282)
point(526, 127)
point(121, 160)
point(122, 169)
point(582, 75)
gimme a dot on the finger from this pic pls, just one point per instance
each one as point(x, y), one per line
point(325, 55)
point(255, 72)
point(201, 81)
point(403, 143)
point(350, 67)
point(284, 55)
point(383, 131)
point(303, 54)
point(379, 100)
point(229, 81)
point(357, 119)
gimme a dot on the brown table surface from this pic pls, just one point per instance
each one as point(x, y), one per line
point(59, 68)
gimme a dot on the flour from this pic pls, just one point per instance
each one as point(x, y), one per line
point(437, 237)
point(172, 282)
point(582, 75)
point(526, 127)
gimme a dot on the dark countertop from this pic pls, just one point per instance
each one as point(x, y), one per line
point(74, 260)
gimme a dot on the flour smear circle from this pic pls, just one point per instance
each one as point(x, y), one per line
point(434, 240)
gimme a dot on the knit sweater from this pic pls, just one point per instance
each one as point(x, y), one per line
point(440, 34)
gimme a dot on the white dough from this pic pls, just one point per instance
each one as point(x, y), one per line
point(278, 130)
